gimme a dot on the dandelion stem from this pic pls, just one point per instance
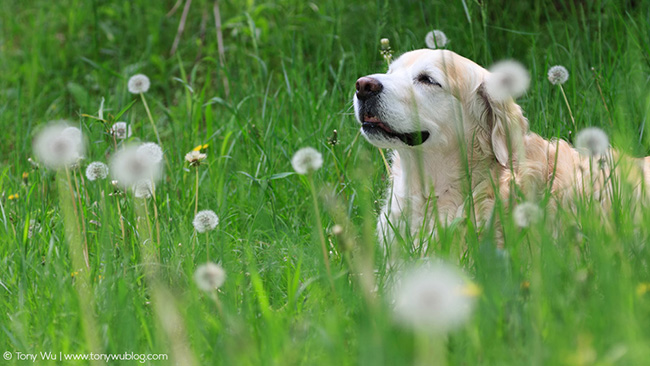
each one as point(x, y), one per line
point(146, 107)
point(119, 212)
point(82, 218)
point(196, 192)
point(575, 128)
point(207, 245)
point(430, 350)
point(81, 280)
point(76, 213)
point(319, 227)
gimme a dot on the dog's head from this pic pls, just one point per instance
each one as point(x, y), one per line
point(428, 97)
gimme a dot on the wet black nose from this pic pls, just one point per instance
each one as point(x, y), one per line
point(368, 87)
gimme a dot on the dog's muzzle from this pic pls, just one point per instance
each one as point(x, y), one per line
point(368, 91)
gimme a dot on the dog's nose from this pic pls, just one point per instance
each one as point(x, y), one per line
point(367, 87)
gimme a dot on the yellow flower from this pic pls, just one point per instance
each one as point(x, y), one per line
point(13, 196)
point(72, 274)
point(25, 175)
point(525, 285)
point(642, 288)
point(471, 290)
point(200, 147)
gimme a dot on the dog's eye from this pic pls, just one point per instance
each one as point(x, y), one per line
point(426, 79)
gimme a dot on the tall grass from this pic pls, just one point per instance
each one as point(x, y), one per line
point(572, 289)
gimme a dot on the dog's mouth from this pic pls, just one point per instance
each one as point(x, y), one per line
point(372, 125)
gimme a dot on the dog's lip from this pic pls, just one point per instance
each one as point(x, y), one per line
point(377, 123)
point(410, 139)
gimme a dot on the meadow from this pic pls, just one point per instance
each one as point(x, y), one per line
point(571, 289)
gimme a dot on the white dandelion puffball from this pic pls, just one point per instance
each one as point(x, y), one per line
point(507, 79)
point(205, 220)
point(128, 167)
point(307, 160)
point(209, 277)
point(73, 133)
point(558, 75)
point(96, 170)
point(139, 84)
point(121, 130)
point(436, 39)
point(143, 188)
point(59, 145)
point(432, 298)
point(592, 141)
point(150, 152)
point(526, 214)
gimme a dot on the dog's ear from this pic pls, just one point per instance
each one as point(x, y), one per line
point(505, 125)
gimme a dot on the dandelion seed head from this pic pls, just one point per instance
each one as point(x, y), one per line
point(558, 74)
point(73, 133)
point(436, 39)
point(121, 130)
point(209, 277)
point(128, 166)
point(96, 170)
point(526, 214)
point(195, 157)
point(433, 298)
point(150, 152)
point(143, 188)
point(205, 220)
point(59, 145)
point(592, 141)
point(507, 79)
point(139, 84)
point(307, 160)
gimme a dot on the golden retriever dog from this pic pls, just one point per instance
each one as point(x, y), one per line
point(452, 144)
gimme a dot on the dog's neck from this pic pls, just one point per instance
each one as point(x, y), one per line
point(438, 173)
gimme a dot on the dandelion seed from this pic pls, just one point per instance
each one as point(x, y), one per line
point(526, 214)
point(139, 84)
point(592, 141)
point(507, 79)
point(143, 188)
point(150, 152)
point(121, 130)
point(96, 170)
point(558, 75)
point(434, 298)
point(307, 160)
point(209, 277)
point(195, 157)
point(205, 220)
point(129, 166)
point(436, 39)
point(59, 145)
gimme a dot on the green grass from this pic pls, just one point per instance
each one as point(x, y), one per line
point(290, 87)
